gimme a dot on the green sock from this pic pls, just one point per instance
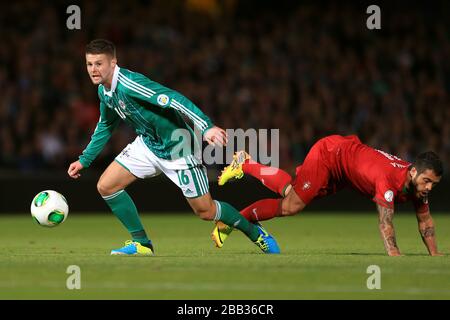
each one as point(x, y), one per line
point(230, 216)
point(123, 208)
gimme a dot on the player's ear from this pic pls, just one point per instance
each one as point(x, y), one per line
point(413, 172)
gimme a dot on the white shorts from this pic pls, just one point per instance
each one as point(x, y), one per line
point(187, 173)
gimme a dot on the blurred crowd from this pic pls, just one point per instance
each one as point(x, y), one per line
point(307, 69)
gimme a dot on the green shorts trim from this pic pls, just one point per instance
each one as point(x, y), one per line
point(122, 165)
point(199, 177)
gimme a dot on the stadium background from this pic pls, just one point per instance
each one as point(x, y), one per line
point(308, 68)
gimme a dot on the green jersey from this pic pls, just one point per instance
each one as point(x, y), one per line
point(155, 112)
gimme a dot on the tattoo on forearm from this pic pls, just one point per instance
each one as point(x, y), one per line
point(386, 216)
point(391, 241)
point(427, 232)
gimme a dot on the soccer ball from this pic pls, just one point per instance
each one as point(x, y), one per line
point(49, 208)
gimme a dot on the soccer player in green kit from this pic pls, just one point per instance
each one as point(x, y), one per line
point(156, 113)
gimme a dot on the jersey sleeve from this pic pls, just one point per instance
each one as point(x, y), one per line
point(384, 194)
point(107, 123)
point(145, 90)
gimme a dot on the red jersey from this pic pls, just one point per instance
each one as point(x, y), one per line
point(337, 161)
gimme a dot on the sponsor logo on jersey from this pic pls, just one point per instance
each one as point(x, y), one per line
point(306, 185)
point(389, 195)
point(163, 99)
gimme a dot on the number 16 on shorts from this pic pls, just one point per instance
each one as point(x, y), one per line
point(193, 182)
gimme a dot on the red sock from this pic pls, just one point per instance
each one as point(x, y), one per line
point(262, 210)
point(273, 178)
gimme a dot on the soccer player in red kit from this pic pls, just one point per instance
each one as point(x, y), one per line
point(333, 163)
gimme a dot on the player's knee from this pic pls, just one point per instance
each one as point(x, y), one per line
point(205, 210)
point(205, 213)
point(204, 207)
point(292, 204)
point(104, 189)
point(290, 208)
point(288, 211)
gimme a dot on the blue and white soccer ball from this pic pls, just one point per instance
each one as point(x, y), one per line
point(49, 208)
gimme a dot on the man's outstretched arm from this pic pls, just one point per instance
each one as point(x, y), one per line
point(427, 232)
point(385, 217)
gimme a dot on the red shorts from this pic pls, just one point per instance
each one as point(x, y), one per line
point(314, 177)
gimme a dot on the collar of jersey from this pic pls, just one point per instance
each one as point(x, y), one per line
point(113, 82)
point(405, 190)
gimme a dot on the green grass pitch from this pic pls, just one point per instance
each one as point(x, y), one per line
point(324, 256)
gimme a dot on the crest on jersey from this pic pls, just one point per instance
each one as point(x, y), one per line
point(122, 104)
point(162, 99)
point(306, 185)
point(389, 196)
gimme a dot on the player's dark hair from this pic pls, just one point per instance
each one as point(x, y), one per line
point(99, 46)
point(429, 160)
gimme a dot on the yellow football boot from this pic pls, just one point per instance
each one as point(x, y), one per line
point(220, 233)
point(234, 169)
